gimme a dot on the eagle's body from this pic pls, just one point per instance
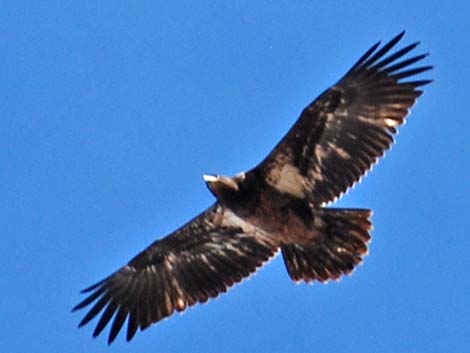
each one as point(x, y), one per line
point(284, 218)
point(278, 205)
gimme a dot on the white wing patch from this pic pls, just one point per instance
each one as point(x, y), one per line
point(289, 180)
point(230, 219)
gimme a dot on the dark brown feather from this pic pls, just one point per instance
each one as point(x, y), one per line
point(339, 248)
point(343, 133)
point(199, 261)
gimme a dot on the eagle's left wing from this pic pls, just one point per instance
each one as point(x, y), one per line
point(343, 132)
point(197, 262)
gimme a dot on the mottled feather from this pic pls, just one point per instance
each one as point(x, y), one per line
point(197, 262)
point(343, 133)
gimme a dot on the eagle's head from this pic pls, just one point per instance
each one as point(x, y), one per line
point(224, 187)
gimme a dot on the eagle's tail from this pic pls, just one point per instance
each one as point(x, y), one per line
point(340, 247)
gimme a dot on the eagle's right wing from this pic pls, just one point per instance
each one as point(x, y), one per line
point(197, 262)
point(343, 132)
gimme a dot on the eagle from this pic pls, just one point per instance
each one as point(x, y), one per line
point(280, 205)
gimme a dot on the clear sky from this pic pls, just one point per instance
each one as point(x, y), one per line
point(111, 113)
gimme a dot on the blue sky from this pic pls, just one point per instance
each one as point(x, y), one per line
point(111, 113)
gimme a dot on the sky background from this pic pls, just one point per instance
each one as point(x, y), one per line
point(111, 112)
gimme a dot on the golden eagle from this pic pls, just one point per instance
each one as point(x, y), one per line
point(279, 204)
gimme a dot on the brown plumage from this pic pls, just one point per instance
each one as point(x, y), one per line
point(280, 204)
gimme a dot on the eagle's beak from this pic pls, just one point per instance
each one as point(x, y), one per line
point(209, 178)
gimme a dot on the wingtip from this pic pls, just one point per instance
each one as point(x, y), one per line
point(90, 288)
point(426, 82)
point(414, 45)
point(129, 336)
point(82, 323)
point(397, 38)
point(112, 336)
point(80, 305)
point(419, 83)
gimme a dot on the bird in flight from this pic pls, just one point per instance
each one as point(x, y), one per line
point(281, 204)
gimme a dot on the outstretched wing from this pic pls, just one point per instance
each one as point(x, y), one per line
point(348, 128)
point(197, 262)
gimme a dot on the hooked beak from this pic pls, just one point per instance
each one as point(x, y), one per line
point(209, 178)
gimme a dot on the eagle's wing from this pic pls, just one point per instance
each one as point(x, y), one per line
point(348, 128)
point(197, 262)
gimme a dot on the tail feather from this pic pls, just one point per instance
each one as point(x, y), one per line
point(340, 247)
